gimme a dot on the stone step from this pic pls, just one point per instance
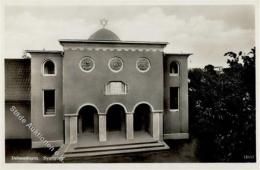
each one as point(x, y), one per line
point(115, 147)
point(111, 145)
point(130, 148)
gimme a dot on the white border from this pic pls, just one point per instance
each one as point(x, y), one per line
point(143, 71)
point(87, 71)
point(55, 69)
point(43, 104)
point(116, 71)
point(120, 166)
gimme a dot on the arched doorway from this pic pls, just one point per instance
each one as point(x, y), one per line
point(116, 119)
point(143, 118)
point(88, 120)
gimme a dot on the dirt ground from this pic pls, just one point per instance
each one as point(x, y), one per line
point(180, 151)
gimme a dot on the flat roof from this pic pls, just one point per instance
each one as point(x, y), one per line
point(112, 42)
point(17, 58)
point(44, 51)
point(179, 54)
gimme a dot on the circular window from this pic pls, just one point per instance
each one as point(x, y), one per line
point(115, 64)
point(143, 64)
point(87, 64)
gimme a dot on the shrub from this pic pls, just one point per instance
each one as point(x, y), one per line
point(222, 110)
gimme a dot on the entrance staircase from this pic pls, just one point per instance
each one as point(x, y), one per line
point(114, 149)
point(116, 144)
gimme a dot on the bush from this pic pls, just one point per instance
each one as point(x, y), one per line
point(222, 110)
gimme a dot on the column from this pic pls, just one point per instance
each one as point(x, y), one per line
point(156, 125)
point(73, 129)
point(123, 122)
point(129, 125)
point(96, 123)
point(67, 129)
point(80, 124)
point(71, 125)
point(161, 126)
point(102, 127)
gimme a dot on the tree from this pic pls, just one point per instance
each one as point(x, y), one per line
point(222, 109)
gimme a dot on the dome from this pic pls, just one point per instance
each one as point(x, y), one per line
point(104, 35)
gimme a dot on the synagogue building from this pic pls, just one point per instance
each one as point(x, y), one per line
point(98, 96)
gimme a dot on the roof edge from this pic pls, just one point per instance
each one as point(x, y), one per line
point(17, 58)
point(111, 42)
point(44, 51)
point(178, 54)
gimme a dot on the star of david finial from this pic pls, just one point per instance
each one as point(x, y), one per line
point(103, 22)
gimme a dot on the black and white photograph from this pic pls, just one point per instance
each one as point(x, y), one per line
point(139, 83)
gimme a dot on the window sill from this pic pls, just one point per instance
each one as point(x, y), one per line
point(49, 114)
point(174, 75)
point(174, 110)
point(49, 75)
point(116, 94)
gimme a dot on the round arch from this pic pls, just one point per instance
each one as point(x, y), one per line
point(116, 118)
point(87, 119)
point(112, 104)
point(87, 104)
point(143, 118)
point(143, 102)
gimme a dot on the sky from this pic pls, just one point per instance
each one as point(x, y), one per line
point(207, 31)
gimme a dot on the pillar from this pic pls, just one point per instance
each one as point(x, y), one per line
point(161, 126)
point(80, 124)
point(129, 126)
point(123, 122)
point(156, 125)
point(67, 129)
point(96, 123)
point(73, 129)
point(102, 127)
point(71, 125)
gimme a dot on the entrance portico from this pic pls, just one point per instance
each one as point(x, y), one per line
point(115, 123)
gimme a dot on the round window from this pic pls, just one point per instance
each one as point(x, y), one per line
point(115, 64)
point(143, 64)
point(87, 64)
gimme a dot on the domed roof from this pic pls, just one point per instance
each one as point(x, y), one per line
point(104, 35)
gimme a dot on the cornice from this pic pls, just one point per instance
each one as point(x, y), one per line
point(132, 49)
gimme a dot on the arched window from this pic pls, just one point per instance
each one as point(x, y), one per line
point(49, 68)
point(174, 69)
